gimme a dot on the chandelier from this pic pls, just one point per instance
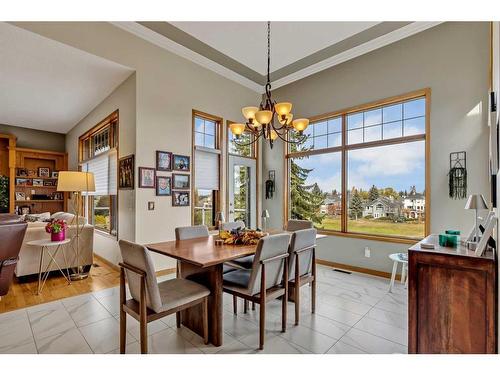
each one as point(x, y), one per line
point(260, 120)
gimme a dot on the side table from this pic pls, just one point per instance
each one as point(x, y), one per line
point(45, 246)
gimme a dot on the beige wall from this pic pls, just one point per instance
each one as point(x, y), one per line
point(38, 139)
point(453, 60)
point(168, 87)
point(123, 99)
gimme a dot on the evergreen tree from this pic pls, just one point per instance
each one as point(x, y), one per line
point(356, 206)
point(373, 193)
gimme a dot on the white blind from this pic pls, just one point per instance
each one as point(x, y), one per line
point(206, 170)
point(104, 168)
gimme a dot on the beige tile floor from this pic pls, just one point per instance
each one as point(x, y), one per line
point(355, 314)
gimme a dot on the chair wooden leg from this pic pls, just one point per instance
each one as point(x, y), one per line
point(253, 306)
point(284, 300)
point(245, 307)
point(262, 323)
point(313, 284)
point(143, 318)
point(178, 319)
point(123, 314)
point(205, 320)
point(235, 305)
point(296, 297)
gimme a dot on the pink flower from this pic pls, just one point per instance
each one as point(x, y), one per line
point(56, 226)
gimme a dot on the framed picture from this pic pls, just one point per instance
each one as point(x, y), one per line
point(55, 174)
point(37, 182)
point(43, 172)
point(25, 210)
point(163, 186)
point(126, 167)
point(23, 182)
point(180, 181)
point(147, 177)
point(49, 182)
point(58, 196)
point(20, 196)
point(21, 172)
point(180, 198)
point(181, 163)
point(163, 161)
point(32, 173)
point(151, 206)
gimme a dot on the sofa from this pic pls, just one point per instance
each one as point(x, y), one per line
point(12, 230)
point(29, 256)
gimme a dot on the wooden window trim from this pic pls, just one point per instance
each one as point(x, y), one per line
point(344, 148)
point(218, 145)
point(109, 120)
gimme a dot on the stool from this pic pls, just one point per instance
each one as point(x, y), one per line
point(399, 258)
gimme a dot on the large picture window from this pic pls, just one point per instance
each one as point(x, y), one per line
point(362, 171)
point(98, 154)
point(207, 159)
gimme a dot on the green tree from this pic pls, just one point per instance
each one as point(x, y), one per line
point(373, 193)
point(355, 205)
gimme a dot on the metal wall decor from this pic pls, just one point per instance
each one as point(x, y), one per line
point(457, 177)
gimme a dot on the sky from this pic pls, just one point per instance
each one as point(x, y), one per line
point(398, 166)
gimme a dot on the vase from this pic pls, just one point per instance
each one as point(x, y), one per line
point(61, 236)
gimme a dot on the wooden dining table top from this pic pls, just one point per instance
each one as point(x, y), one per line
point(203, 252)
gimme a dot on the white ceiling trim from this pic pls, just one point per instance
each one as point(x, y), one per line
point(352, 53)
point(169, 45)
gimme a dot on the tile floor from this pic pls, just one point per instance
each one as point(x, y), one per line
point(355, 314)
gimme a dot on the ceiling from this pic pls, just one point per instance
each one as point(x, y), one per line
point(246, 42)
point(238, 50)
point(48, 85)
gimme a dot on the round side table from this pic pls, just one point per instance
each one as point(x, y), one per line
point(45, 246)
point(403, 259)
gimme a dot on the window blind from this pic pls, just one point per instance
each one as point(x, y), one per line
point(104, 168)
point(206, 169)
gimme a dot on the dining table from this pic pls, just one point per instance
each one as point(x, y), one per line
point(201, 260)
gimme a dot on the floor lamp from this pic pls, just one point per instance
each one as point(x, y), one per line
point(76, 183)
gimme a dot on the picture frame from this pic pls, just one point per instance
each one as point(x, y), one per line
point(25, 210)
point(44, 172)
point(180, 199)
point(49, 182)
point(181, 181)
point(147, 177)
point(126, 168)
point(21, 172)
point(163, 186)
point(58, 196)
point(181, 163)
point(38, 182)
point(163, 161)
point(32, 173)
point(24, 181)
point(20, 196)
point(55, 174)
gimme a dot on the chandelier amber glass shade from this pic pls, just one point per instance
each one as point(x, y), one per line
point(283, 109)
point(249, 112)
point(264, 117)
point(300, 124)
point(237, 129)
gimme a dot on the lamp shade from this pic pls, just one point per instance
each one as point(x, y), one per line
point(75, 181)
point(237, 129)
point(476, 202)
point(264, 117)
point(249, 112)
point(283, 108)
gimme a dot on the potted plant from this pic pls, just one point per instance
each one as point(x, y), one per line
point(57, 229)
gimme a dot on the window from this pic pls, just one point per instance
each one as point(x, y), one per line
point(98, 154)
point(363, 171)
point(206, 150)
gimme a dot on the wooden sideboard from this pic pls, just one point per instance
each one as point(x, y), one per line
point(452, 297)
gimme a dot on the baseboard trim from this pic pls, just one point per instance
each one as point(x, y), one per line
point(166, 271)
point(348, 267)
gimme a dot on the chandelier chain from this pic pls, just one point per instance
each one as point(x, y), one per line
point(268, 51)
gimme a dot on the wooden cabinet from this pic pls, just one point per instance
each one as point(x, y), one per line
point(452, 300)
point(31, 160)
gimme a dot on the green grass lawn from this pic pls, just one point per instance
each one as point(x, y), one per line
point(378, 227)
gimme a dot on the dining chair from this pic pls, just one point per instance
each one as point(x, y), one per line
point(292, 225)
point(152, 300)
point(302, 267)
point(190, 232)
point(233, 225)
point(266, 280)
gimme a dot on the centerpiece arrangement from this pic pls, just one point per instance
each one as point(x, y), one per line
point(241, 236)
point(57, 229)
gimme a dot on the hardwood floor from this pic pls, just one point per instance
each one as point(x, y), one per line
point(24, 294)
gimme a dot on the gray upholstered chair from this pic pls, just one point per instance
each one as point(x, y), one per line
point(233, 225)
point(152, 300)
point(267, 280)
point(302, 267)
point(187, 233)
point(292, 225)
